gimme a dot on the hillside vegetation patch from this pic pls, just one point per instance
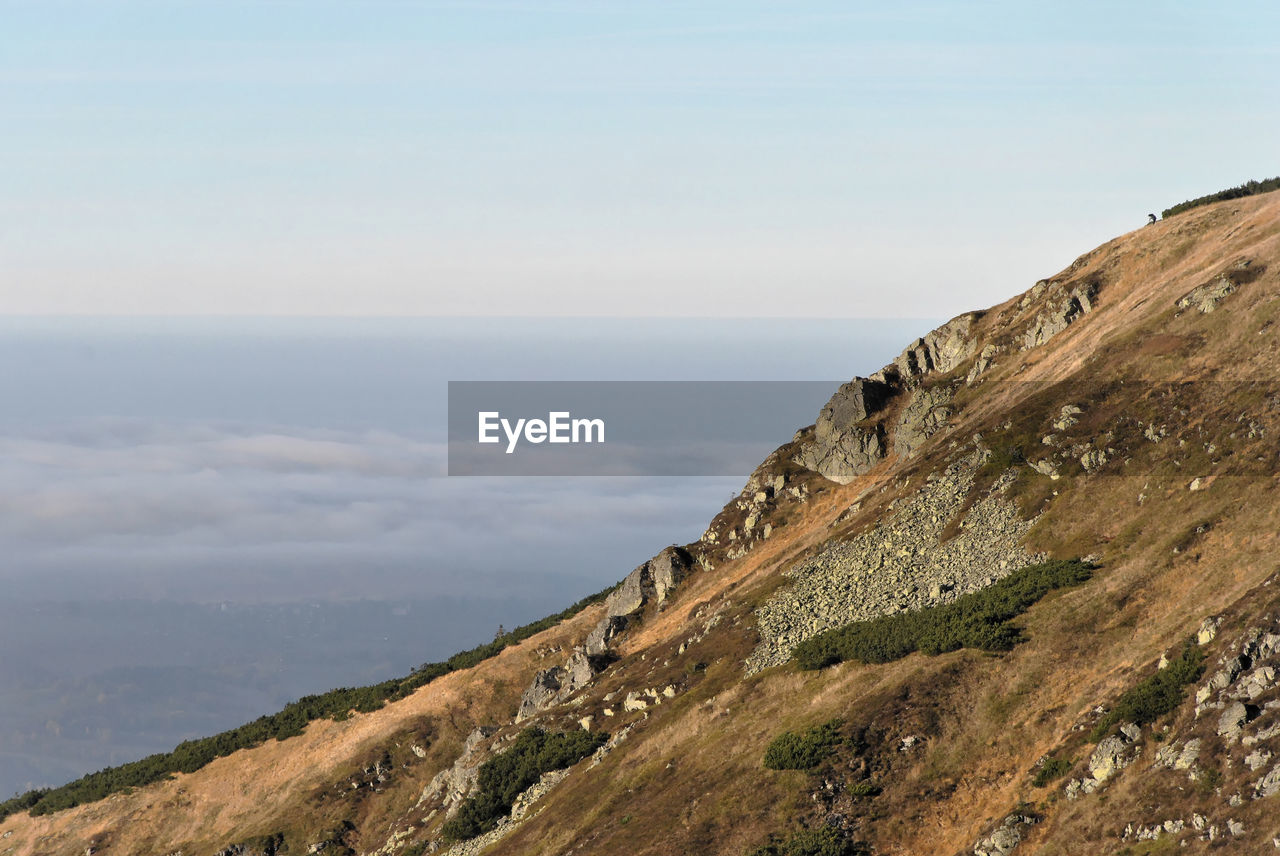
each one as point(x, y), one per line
point(1157, 695)
point(506, 776)
point(805, 750)
point(978, 620)
point(337, 704)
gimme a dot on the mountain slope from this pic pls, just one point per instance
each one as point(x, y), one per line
point(1123, 410)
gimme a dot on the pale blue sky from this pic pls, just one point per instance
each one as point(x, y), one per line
point(604, 158)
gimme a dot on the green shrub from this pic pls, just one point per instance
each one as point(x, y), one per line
point(824, 841)
point(1249, 188)
point(804, 751)
point(1157, 695)
point(504, 777)
point(864, 789)
point(1050, 770)
point(191, 755)
point(977, 620)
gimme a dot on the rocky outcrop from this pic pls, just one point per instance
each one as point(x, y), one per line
point(1114, 753)
point(1064, 306)
point(843, 454)
point(650, 583)
point(940, 350)
point(847, 438)
point(1205, 298)
point(1007, 836)
point(1110, 756)
point(842, 447)
point(1179, 757)
point(556, 684)
point(268, 845)
point(542, 693)
point(452, 785)
point(901, 564)
point(1231, 722)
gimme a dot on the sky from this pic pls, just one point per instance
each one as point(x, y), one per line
point(840, 159)
point(211, 502)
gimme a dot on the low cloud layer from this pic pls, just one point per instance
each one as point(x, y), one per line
point(203, 511)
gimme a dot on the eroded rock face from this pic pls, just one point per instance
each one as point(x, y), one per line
point(845, 455)
point(1178, 757)
point(1065, 307)
point(603, 634)
point(650, 582)
point(848, 442)
point(940, 350)
point(542, 693)
point(842, 448)
point(928, 410)
point(1233, 719)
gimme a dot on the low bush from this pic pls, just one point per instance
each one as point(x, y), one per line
point(803, 751)
point(1157, 695)
point(978, 620)
point(504, 777)
point(824, 841)
point(1051, 770)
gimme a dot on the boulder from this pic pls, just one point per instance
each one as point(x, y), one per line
point(1113, 754)
point(1208, 630)
point(1268, 785)
point(845, 456)
point(842, 447)
point(1233, 719)
point(542, 693)
point(1206, 298)
point(1004, 839)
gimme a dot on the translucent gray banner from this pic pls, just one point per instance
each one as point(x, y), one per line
point(624, 428)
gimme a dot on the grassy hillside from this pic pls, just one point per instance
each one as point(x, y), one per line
point(1144, 432)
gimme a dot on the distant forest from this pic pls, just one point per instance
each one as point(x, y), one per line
point(1249, 188)
point(338, 704)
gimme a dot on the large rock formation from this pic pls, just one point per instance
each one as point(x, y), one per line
point(848, 440)
point(1065, 305)
point(940, 351)
point(650, 583)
